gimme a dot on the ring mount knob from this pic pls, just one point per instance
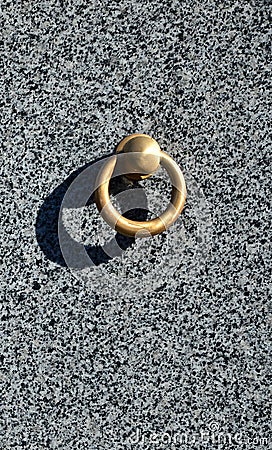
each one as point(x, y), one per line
point(138, 156)
point(145, 156)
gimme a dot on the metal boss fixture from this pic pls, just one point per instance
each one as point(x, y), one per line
point(138, 157)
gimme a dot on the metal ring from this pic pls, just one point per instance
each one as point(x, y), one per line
point(133, 228)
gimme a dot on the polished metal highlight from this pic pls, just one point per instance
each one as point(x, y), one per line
point(138, 157)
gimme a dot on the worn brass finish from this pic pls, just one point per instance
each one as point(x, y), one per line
point(144, 158)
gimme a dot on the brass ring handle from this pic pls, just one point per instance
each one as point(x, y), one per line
point(138, 157)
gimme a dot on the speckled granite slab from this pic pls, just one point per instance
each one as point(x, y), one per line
point(155, 344)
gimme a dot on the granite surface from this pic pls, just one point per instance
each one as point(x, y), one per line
point(160, 343)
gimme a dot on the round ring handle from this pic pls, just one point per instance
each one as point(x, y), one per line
point(137, 159)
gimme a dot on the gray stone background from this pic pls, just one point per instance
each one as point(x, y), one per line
point(172, 336)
